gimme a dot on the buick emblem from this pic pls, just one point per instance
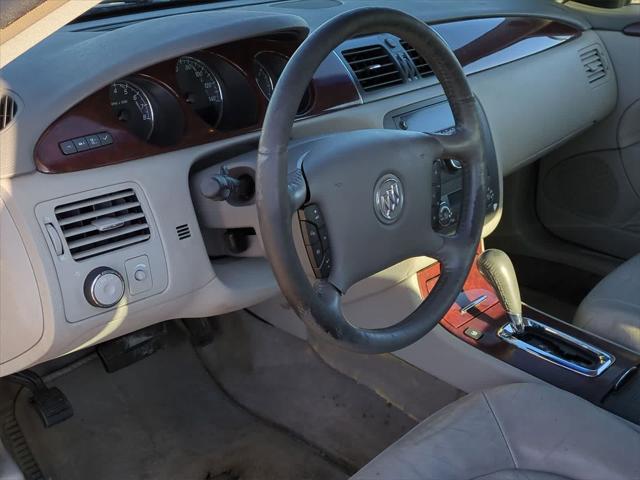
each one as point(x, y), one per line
point(388, 198)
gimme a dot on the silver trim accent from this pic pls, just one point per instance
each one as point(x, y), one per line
point(388, 198)
point(507, 333)
point(473, 303)
point(92, 288)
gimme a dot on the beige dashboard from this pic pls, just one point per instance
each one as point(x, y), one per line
point(168, 263)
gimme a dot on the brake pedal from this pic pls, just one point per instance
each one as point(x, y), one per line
point(52, 405)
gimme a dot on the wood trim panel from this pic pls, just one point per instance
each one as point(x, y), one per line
point(330, 89)
point(490, 318)
point(494, 41)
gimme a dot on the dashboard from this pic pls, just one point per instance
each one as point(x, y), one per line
point(223, 91)
point(102, 166)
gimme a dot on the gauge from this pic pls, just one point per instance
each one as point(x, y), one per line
point(132, 107)
point(264, 80)
point(200, 85)
point(147, 109)
point(268, 68)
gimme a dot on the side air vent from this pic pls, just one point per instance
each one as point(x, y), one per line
point(419, 62)
point(594, 64)
point(102, 224)
point(373, 67)
point(8, 110)
point(183, 231)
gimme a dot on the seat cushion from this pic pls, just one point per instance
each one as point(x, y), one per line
point(514, 432)
point(612, 308)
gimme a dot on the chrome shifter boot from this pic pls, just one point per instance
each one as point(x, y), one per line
point(496, 267)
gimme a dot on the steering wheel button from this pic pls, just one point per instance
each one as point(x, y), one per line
point(324, 237)
point(309, 233)
point(313, 214)
point(316, 255)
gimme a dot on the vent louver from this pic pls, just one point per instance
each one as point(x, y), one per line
point(183, 231)
point(101, 224)
point(419, 62)
point(8, 110)
point(373, 67)
point(594, 64)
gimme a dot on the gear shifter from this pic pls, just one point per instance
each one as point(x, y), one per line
point(496, 267)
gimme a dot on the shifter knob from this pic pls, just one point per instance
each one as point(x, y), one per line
point(496, 267)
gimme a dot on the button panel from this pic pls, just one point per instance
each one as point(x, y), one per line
point(316, 240)
point(138, 274)
point(82, 144)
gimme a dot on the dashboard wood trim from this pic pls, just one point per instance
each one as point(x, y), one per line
point(491, 41)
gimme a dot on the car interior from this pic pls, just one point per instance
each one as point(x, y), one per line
point(320, 239)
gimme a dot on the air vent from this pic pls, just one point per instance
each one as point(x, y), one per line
point(8, 110)
point(594, 64)
point(183, 231)
point(101, 224)
point(419, 62)
point(373, 66)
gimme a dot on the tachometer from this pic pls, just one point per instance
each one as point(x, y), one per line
point(132, 107)
point(147, 109)
point(200, 86)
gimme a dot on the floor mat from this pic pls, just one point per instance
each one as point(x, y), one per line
point(280, 377)
point(163, 418)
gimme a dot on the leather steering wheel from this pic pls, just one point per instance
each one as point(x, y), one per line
point(346, 174)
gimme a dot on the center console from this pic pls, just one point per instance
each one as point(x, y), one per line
point(548, 348)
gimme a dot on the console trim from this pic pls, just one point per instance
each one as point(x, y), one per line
point(507, 333)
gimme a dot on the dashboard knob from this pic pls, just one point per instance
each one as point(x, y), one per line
point(103, 287)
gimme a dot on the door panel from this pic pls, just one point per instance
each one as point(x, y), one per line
point(589, 190)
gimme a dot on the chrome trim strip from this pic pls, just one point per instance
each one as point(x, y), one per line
point(473, 303)
point(507, 332)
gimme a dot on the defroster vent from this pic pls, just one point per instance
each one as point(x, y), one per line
point(102, 224)
point(373, 67)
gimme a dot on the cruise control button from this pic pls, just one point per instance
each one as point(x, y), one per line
point(324, 237)
point(325, 268)
point(81, 144)
point(309, 233)
point(93, 141)
point(68, 147)
point(316, 255)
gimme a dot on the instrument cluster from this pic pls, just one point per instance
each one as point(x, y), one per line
point(220, 93)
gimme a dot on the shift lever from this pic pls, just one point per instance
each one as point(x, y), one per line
point(496, 267)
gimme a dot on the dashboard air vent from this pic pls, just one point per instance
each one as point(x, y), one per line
point(594, 64)
point(8, 110)
point(102, 224)
point(373, 67)
point(420, 63)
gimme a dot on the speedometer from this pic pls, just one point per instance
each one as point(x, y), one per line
point(200, 86)
point(132, 106)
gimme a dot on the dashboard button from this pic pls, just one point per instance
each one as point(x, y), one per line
point(309, 233)
point(81, 144)
point(313, 214)
point(93, 141)
point(68, 147)
point(316, 255)
point(105, 138)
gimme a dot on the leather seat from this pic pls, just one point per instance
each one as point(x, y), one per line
point(514, 432)
point(612, 308)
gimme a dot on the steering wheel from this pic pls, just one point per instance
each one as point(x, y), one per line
point(372, 187)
